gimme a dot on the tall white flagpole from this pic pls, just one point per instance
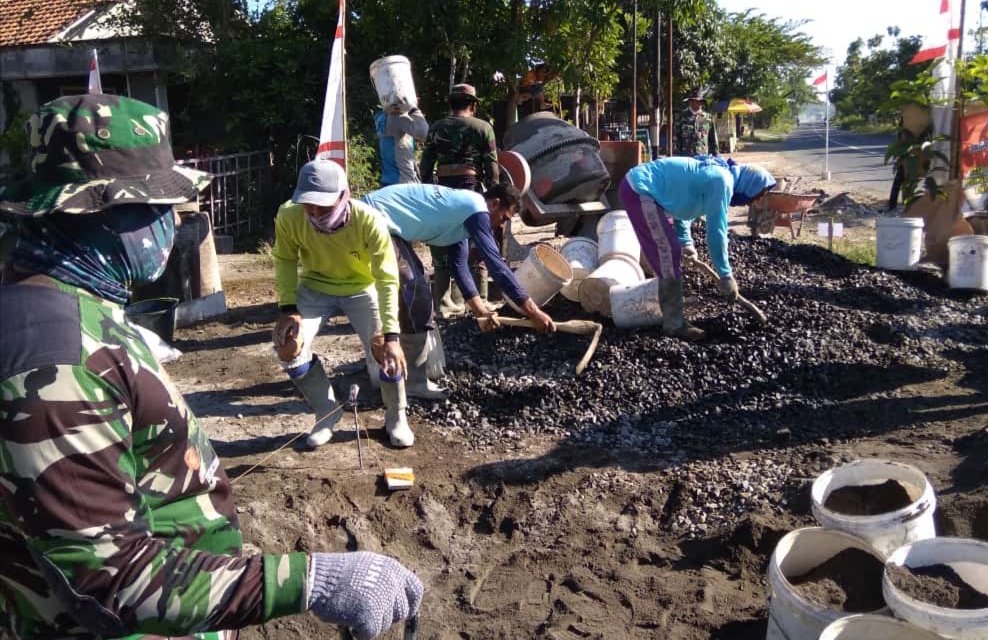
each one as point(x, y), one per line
point(826, 135)
point(332, 136)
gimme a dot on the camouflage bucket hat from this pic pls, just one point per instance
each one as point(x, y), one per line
point(93, 152)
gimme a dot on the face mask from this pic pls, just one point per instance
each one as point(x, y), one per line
point(335, 219)
point(106, 253)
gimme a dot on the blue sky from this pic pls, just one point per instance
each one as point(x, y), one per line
point(834, 24)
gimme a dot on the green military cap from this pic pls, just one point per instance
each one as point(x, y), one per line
point(95, 151)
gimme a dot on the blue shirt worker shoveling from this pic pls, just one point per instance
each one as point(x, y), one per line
point(663, 197)
point(449, 218)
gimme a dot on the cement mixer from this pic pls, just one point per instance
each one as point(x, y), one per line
point(568, 172)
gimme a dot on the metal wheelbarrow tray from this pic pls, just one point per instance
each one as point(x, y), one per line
point(779, 208)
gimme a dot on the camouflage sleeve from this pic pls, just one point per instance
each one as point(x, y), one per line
point(491, 171)
point(82, 477)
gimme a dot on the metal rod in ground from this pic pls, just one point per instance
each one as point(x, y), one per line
point(354, 390)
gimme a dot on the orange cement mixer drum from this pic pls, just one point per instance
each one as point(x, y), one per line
point(517, 169)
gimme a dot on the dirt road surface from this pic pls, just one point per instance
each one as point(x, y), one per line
point(656, 522)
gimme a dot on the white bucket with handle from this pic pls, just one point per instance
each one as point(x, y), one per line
point(865, 626)
point(543, 273)
point(392, 79)
point(968, 262)
point(790, 615)
point(885, 531)
point(616, 236)
point(595, 291)
point(968, 558)
point(581, 254)
point(899, 243)
point(636, 305)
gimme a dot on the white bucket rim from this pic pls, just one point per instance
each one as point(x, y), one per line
point(624, 257)
point(898, 557)
point(389, 60)
point(578, 240)
point(838, 625)
point(912, 223)
point(925, 502)
point(542, 265)
point(977, 238)
point(612, 215)
point(774, 565)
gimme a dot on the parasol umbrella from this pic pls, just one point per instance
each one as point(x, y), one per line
point(735, 105)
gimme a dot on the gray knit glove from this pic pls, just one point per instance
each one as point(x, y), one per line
point(364, 591)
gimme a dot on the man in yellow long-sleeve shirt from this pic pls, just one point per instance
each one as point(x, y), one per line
point(349, 265)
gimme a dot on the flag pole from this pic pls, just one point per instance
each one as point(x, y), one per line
point(346, 134)
point(826, 116)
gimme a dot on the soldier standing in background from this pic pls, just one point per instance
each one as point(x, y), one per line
point(116, 516)
point(465, 151)
point(696, 134)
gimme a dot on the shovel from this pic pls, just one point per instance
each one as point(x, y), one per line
point(578, 327)
point(746, 303)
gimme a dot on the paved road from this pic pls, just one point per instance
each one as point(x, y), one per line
point(856, 160)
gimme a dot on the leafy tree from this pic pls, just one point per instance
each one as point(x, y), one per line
point(864, 82)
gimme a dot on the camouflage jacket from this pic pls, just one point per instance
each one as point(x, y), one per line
point(461, 140)
point(116, 517)
point(696, 134)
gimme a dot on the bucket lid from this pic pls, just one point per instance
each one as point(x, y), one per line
point(900, 222)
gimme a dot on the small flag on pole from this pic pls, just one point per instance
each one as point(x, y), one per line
point(943, 34)
point(820, 80)
point(95, 86)
point(332, 135)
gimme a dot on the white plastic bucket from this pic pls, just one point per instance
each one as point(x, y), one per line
point(595, 291)
point(581, 254)
point(790, 615)
point(968, 262)
point(636, 305)
point(542, 274)
point(392, 79)
point(900, 243)
point(888, 531)
point(967, 557)
point(869, 627)
point(616, 236)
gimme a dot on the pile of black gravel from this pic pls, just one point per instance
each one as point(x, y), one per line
point(841, 338)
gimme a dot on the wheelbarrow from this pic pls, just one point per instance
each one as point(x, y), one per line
point(780, 208)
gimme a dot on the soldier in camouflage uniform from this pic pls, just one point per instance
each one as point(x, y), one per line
point(696, 134)
point(464, 148)
point(116, 517)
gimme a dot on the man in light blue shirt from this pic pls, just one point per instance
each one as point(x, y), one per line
point(449, 218)
point(685, 189)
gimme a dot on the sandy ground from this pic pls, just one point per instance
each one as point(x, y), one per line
point(560, 543)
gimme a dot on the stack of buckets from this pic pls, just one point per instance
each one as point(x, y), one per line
point(905, 537)
point(607, 275)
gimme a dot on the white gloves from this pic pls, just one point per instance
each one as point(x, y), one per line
point(366, 592)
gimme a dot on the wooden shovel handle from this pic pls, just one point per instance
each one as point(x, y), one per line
point(578, 327)
point(746, 303)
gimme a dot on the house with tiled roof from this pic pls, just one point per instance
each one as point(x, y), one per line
point(45, 49)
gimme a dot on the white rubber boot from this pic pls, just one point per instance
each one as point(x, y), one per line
point(418, 384)
point(395, 418)
point(318, 393)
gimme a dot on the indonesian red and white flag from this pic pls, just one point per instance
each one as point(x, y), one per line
point(332, 135)
point(95, 86)
point(944, 33)
point(820, 80)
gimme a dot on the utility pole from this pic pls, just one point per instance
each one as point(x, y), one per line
point(634, 74)
point(655, 128)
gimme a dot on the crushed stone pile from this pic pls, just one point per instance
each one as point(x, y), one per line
point(837, 331)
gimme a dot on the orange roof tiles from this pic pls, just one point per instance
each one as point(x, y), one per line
point(27, 22)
